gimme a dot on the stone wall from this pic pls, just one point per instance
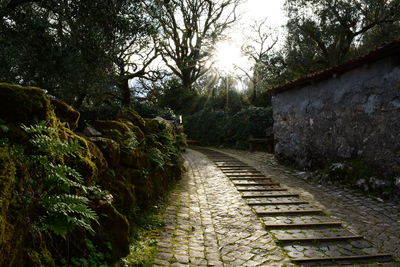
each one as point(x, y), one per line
point(352, 115)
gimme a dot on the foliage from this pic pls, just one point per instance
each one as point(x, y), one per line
point(59, 188)
point(148, 110)
point(77, 51)
point(220, 128)
point(3, 126)
point(177, 98)
point(144, 245)
point(94, 258)
point(99, 112)
point(188, 33)
point(324, 33)
point(157, 157)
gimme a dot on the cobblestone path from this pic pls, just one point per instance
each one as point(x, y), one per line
point(377, 221)
point(208, 223)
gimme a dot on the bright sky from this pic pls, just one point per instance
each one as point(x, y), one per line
point(228, 52)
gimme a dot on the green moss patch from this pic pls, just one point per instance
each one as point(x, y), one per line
point(20, 104)
point(66, 113)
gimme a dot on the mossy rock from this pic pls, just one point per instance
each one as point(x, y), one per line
point(97, 157)
point(123, 192)
point(113, 228)
point(7, 184)
point(115, 130)
point(137, 159)
point(142, 181)
point(154, 126)
point(110, 149)
point(135, 129)
point(66, 113)
point(19, 104)
point(131, 115)
point(12, 229)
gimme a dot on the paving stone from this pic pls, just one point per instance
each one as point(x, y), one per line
point(207, 217)
point(377, 221)
point(210, 224)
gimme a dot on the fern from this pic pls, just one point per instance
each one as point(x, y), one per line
point(157, 157)
point(61, 186)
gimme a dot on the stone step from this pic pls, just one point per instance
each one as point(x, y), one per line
point(260, 189)
point(280, 212)
point(303, 225)
point(331, 232)
point(320, 239)
point(254, 183)
point(344, 259)
point(276, 203)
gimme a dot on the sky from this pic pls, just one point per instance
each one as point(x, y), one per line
point(228, 52)
point(259, 9)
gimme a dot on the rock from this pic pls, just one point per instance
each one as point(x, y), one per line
point(12, 223)
point(20, 104)
point(136, 160)
point(397, 183)
point(337, 166)
point(144, 190)
point(123, 192)
point(109, 148)
point(113, 228)
point(131, 115)
point(91, 132)
point(66, 113)
point(118, 130)
point(135, 129)
point(154, 126)
point(97, 158)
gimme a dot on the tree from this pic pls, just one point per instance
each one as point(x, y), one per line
point(323, 33)
point(260, 42)
point(188, 32)
point(78, 50)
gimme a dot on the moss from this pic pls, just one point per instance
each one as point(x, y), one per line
point(123, 192)
point(135, 129)
point(113, 228)
point(41, 258)
point(113, 129)
point(110, 149)
point(97, 158)
point(144, 190)
point(7, 184)
point(66, 113)
point(137, 159)
point(131, 115)
point(12, 221)
point(20, 104)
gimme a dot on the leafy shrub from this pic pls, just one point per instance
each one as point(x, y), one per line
point(94, 258)
point(216, 127)
point(99, 112)
point(148, 110)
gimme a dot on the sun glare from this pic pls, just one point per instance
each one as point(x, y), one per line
point(226, 57)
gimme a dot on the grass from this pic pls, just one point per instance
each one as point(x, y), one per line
point(144, 236)
point(145, 229)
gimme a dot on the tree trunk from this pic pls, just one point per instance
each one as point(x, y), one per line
point(125, 93)
point(186, 80)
